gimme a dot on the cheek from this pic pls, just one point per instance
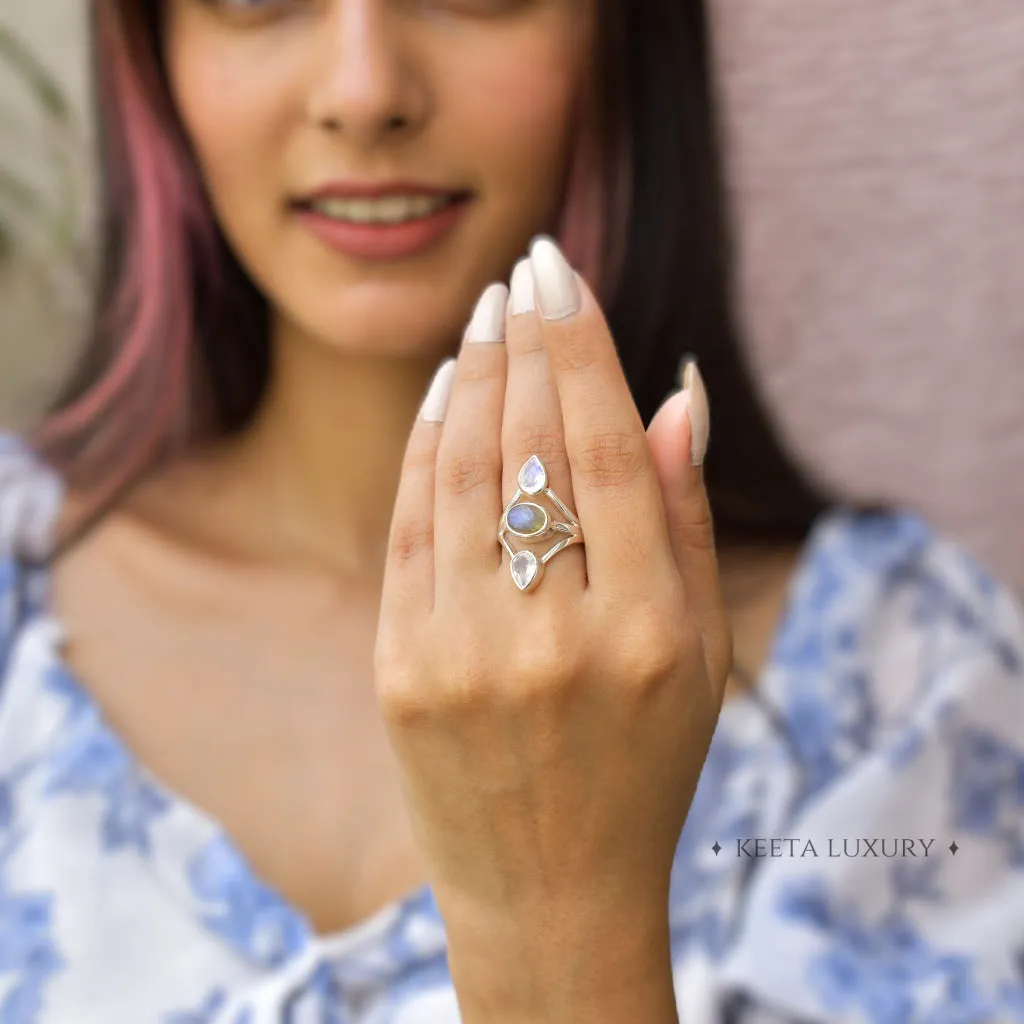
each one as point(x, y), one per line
point(518, 115)
point(235, 109)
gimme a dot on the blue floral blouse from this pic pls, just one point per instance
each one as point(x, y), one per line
point(855, 850)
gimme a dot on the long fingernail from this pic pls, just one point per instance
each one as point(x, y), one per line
point(557, 292)
point(522, 288)
point(435, 405)
point(698, 410)
point(488, 322)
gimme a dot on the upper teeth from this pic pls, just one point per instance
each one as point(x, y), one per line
point(389, 210)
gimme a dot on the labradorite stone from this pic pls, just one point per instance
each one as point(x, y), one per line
point(527, 519)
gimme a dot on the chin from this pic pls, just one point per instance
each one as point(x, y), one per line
point(398, 327)
point(400, 308)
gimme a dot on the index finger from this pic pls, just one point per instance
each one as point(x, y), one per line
point(408, 587)
point(615, 486)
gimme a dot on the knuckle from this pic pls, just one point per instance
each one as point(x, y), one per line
point(464, 472)
point(442, 683)
point(546, 665)
point(646, 641)
point(401, 697)
point(611, 459)
point(696, 529)
point(398, 685)
point(411, 538)
point(653, 644)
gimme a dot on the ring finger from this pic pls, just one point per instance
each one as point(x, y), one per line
point(467, 501)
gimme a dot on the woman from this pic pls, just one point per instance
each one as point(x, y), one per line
point(286, 734)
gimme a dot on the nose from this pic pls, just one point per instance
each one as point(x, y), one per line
point(366, 83)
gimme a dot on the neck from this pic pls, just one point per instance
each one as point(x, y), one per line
point(324, 455)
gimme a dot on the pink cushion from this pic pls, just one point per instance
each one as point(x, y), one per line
point(875, 152)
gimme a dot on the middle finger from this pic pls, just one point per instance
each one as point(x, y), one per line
point(532, 425)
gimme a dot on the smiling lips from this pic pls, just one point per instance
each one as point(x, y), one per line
point(381, 222)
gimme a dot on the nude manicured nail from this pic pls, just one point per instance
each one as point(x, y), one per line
point(488, 322)
point(435, 405)
point(557, 293)
point(698, 409)
point(522, 288)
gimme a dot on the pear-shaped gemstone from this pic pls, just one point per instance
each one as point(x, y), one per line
point(524, 568)
point(527, 520)
point(532, 477)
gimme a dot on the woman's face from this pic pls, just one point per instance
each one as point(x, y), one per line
point(296, 107)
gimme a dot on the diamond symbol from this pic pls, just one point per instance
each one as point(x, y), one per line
point(953, 847)
point(716, 848)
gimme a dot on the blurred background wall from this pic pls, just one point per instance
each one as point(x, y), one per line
point(876, 157)
point(43, 255)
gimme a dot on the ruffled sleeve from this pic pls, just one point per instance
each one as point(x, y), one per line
point(878, 872)
point(30, 500)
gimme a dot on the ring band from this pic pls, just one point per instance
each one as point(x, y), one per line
point(531, 522)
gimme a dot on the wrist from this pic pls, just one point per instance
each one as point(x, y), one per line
point(557, 968)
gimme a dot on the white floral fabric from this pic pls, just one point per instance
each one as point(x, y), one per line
point(855, 850)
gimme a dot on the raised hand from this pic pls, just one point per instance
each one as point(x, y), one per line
point(550, 738)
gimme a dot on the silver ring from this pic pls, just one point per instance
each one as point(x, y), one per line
point(532, 522)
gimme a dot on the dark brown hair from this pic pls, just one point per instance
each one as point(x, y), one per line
point(178, 348)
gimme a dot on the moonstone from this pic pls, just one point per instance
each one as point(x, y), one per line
point(532, 477)
point(524, 568)
point(527, 519)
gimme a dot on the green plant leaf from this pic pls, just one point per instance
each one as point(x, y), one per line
point(17, 191)
point(35, 226)
point(43, 85)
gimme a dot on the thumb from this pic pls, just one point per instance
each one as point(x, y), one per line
point(678, 436)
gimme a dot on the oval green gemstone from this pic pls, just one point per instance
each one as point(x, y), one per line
point(527, 519)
